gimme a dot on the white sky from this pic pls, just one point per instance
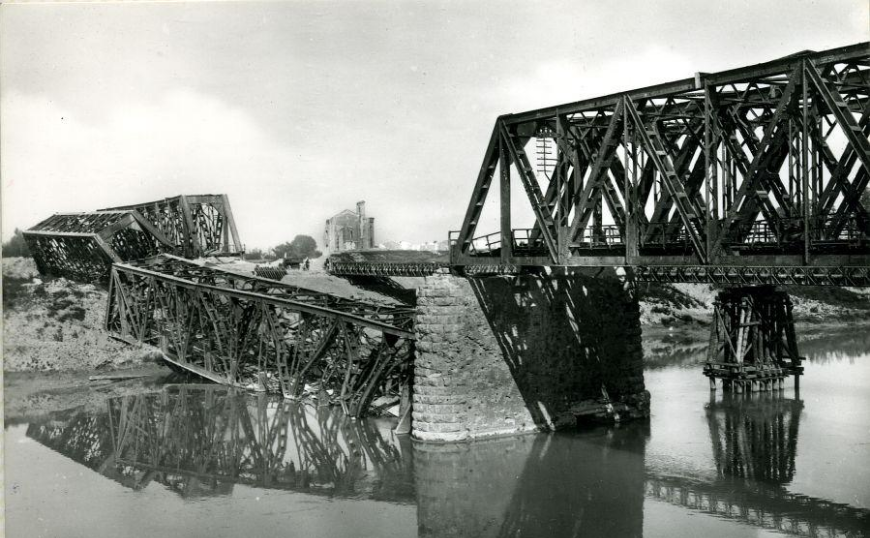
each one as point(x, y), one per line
point(297, 110)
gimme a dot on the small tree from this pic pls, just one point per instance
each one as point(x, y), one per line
point(16, 246)
point(302, 246)
point(254, 254)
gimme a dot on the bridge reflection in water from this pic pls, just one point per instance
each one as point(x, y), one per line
point(754, 440)
point(201, 441)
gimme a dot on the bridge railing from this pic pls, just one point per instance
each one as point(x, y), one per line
point(822, 229)
point(607, 236)
point(486, 244)
point(527, 241)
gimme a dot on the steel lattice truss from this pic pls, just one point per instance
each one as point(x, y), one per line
point(201, 440)
point(83, 246)
point(257, 333)
point(199, 225)
point(758, 166)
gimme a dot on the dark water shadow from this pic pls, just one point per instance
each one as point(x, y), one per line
point(554, 485)
point(565, 338)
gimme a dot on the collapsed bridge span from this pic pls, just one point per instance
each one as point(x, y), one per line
point(83, 246)
point(246, 331)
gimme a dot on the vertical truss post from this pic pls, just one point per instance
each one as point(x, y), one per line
point(805, 173)
point(711, 165)
point(542, 212)
point(631, 199)
point(504, 160)
point(191, 239)
point(230, 224)
point(562, 190)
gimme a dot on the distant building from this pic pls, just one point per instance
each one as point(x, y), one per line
point(350, 231)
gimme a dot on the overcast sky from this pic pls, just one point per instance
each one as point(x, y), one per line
point(297, 110)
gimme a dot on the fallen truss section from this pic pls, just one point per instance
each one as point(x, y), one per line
point(199, 225)
point(83, 246)
point(256, 333)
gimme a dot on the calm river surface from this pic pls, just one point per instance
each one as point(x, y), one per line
point(198, 461)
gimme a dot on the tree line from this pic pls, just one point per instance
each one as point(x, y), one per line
point(301, 247)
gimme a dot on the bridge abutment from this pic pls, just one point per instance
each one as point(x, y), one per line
point(512, 354)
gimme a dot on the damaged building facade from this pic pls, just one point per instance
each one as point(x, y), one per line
point(350, 230)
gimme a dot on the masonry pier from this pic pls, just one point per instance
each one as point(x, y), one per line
point(501, 355)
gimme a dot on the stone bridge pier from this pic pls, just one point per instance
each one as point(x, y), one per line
point(502, 355)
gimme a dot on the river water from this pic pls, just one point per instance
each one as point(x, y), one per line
point(198, 460)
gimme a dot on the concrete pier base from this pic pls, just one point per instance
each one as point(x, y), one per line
point(511, 354)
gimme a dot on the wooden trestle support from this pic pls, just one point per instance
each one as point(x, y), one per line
point(259, 334)
point(752, 340)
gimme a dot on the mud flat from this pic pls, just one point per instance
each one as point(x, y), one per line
point(28, 396)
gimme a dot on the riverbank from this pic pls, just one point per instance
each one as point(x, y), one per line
point(55, 324)
point(53, 337)
point(676, 317)
point(29, 396)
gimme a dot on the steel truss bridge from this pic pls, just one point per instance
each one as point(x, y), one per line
point(752, 175)
point(252, 332)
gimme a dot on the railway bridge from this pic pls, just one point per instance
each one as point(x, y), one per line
point(748, 179)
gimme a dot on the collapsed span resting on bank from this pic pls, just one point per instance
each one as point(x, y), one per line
point(83, 246)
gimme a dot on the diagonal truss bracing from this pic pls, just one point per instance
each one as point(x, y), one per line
point(199, 224)
point(83, 246)
point(763, 165)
